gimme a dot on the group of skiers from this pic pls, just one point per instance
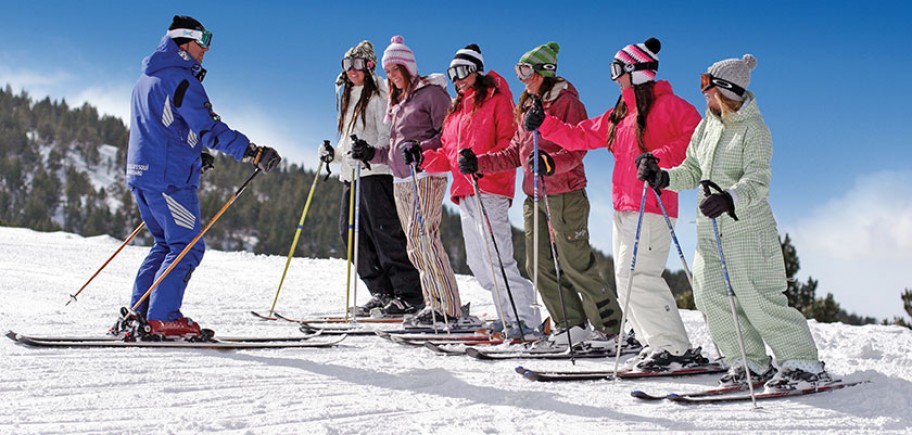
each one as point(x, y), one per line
point(400, 137)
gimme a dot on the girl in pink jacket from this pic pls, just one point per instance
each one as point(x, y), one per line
point(481, 120)
point(648, 117)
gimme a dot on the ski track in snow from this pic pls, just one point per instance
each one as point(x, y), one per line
point(365, 385)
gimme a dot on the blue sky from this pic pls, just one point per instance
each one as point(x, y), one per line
point(831, 81)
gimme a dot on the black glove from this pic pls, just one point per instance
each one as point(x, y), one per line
point(262, 157)
point(412, 152)
point(208, 162)
point(327, 153)
point(535, 116)
point(362, 150)
point(714, 205)
point(468, 161)
point(648, 170)
point(545, 163)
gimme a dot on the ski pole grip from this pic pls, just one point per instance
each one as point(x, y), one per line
point(707, 184)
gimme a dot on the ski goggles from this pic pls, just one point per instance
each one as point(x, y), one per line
point(460, 72)
point(356, 63)
point(202, 37)
point(524, 71)
point(707, 82)
point(619, 68)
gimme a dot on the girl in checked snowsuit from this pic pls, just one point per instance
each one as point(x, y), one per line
point(733, 148)
point(588, 298)
point(648, 117)
point(481, 120)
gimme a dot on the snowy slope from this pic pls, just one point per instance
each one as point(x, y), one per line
point(365, 386)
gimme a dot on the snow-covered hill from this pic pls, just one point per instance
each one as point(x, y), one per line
point(366, 385)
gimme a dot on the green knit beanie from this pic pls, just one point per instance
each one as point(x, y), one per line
point(542, 55)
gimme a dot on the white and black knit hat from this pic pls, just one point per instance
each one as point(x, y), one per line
point(641, 54)
point(470, 55)
point(737, 71)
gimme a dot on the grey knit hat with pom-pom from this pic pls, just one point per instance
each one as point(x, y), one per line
point(737, 71)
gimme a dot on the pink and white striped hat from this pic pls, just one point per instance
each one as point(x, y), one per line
point(399, 53)
point(643, 55)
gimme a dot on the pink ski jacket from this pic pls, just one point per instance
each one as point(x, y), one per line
point(487, 128)
point(669, 126)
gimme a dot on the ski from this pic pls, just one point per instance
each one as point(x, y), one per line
point(418, 339)
point(537, 353)
point(710, 392)
point(830, 386)
point(308, 329)
point(601, 375)
point(108, 338)
point(326, 319)
point(222, 344)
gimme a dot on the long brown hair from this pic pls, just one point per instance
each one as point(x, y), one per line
point(482, 84)
point(370, 88)
point(644, 98)
point(396, 95)
point(524, 103)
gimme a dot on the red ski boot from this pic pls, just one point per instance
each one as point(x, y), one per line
point(183, 327)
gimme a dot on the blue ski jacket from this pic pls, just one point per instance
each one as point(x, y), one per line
point(171, 121)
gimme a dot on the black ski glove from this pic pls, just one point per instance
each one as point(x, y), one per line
point(648, 170)
point(327, 152)
point(468, 161)
point(411, 150)
point(361, 150)
point(535, 116)
point(714, 205)
point(208, 162)
point(262, 157)
point(545, 163)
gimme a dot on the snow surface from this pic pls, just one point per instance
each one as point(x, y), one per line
point(365, 385)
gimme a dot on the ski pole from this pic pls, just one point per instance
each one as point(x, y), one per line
point(674, 238)
point(729, 289)
point(294, 242)
point(357, 234)
point(481, 233)
point(348, 258)
point(437, 296)
point(557, 270)
point(195, 239)
point(122, 245)
point(707, 184)
point(503, 271)
point(535, 200)
point(633, 261)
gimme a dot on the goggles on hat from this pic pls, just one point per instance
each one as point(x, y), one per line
point(707, 82)
point(202, 37)
point(356, 63)
point(460, 72)
point(524, 71)
point(619, 68)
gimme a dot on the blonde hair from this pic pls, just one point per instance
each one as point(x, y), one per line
point(727, 105)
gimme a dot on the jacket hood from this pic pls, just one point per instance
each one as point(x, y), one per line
point(500, 85)
point(169, 55)
point(662, 87)
point(748, 110)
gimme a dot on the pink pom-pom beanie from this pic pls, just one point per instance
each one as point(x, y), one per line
point(399, 53)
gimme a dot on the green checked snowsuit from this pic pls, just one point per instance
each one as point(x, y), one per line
point(736, 155)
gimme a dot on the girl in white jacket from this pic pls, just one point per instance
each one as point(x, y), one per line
point(383, 264)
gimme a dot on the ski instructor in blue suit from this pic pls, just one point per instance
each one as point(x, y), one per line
point(172, 121)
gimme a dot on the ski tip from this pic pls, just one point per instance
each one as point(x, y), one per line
point(531, 375)
point(521, 370)
point(12, 335)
